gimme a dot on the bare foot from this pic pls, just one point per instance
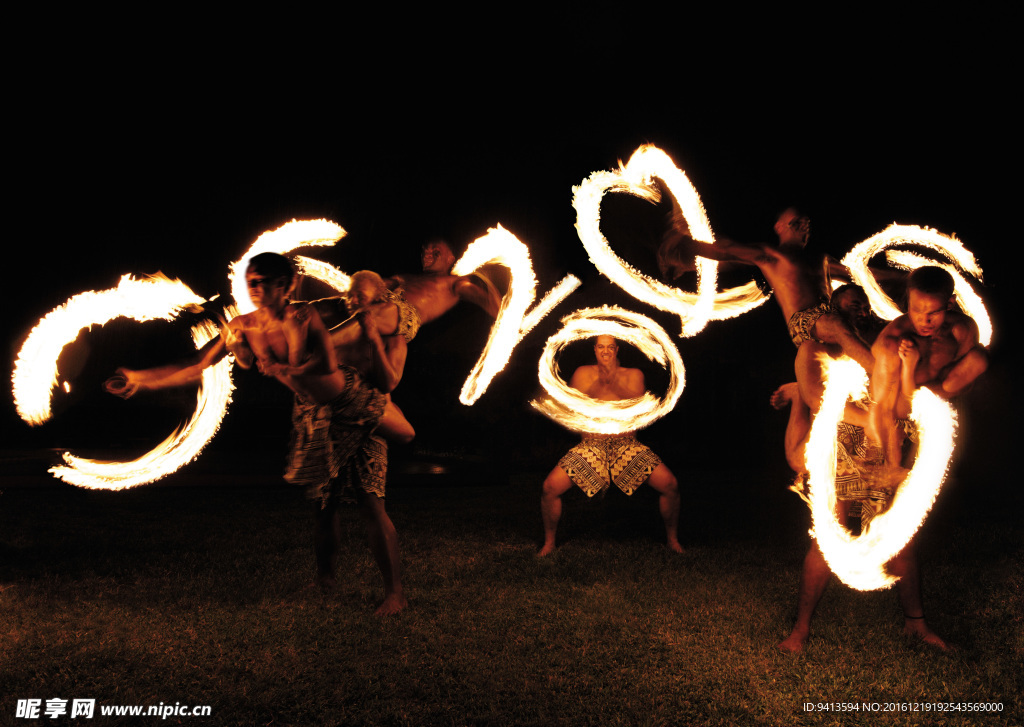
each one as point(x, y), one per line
point(392, 605)
point(674, 546)
point(919, 629)
point(546, 549)
point(785, 395)
point(794, 644)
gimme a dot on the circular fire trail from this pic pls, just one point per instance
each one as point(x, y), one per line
point(578, 412)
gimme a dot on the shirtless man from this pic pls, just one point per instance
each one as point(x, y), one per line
point(799, 283)
point(423, 298)
point(930, 345)
point(804, 395)
point(436, 291)
point(290, 342)
point(936, 365)
point(602, 459)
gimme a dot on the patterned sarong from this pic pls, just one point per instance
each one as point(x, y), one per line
point(332, 445)
point(858, 461)
point(408, 316)
point(801, 323)
point(598, 461)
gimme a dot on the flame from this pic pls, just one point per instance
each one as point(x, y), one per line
point(35, 370)
point(324, 272)
point(636, 177)
point(860, 561)
point(286, 238)
point(182, 447)
point(580, 413)
point(857, 262)
point(512, 323)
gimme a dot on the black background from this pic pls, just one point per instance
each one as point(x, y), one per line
point(171, 148)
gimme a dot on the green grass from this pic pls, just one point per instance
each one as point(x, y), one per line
point(197, 595)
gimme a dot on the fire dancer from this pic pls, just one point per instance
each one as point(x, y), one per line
point(803, 396)
point(930, 345)
point(798, 281)
point(603, 459)
point(423, 298)
point(855, 481)
point(338, 413)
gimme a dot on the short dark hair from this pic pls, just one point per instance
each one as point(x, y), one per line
point(931, 280)
point(844, 289)
point(457, 248)
point(273, 266)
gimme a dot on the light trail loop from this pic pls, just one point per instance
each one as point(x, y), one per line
point(580, 413)
point(961, 260)
point(182, 447)
point(512, 323)
point(636, 178)
point(860, 561)
point(287, 237)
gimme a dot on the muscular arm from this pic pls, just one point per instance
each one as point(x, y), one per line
point(582, 379)
point(237, 345)
point(349, 331)
point(633, 385)
point(332, 310)
point(479, 291)
point(128, 382)
point(885, 390)
point(971, 362)
point(680, 248)
point(388, 356)
point(310, 350)
point(388, 361)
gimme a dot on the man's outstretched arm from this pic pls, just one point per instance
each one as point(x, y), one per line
point(127, 381)
point(479, 291)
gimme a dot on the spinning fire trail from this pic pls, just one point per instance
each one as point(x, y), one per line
point(858, 561)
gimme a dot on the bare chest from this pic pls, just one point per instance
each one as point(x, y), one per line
point(608, 389)
point(937, 353)
point(268, 341)
point(430, 294)
point(797, 286)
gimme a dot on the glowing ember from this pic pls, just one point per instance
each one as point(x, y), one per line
point(857, 261)
point(284, 239)
point(636, 178)
point(183, 446)
point(502, 247)
point(580, 413)
point(860, 561)
point(35, 371)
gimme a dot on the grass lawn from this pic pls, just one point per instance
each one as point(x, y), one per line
point(197, 595)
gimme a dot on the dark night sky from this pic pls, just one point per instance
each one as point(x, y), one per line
point(138, 159)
